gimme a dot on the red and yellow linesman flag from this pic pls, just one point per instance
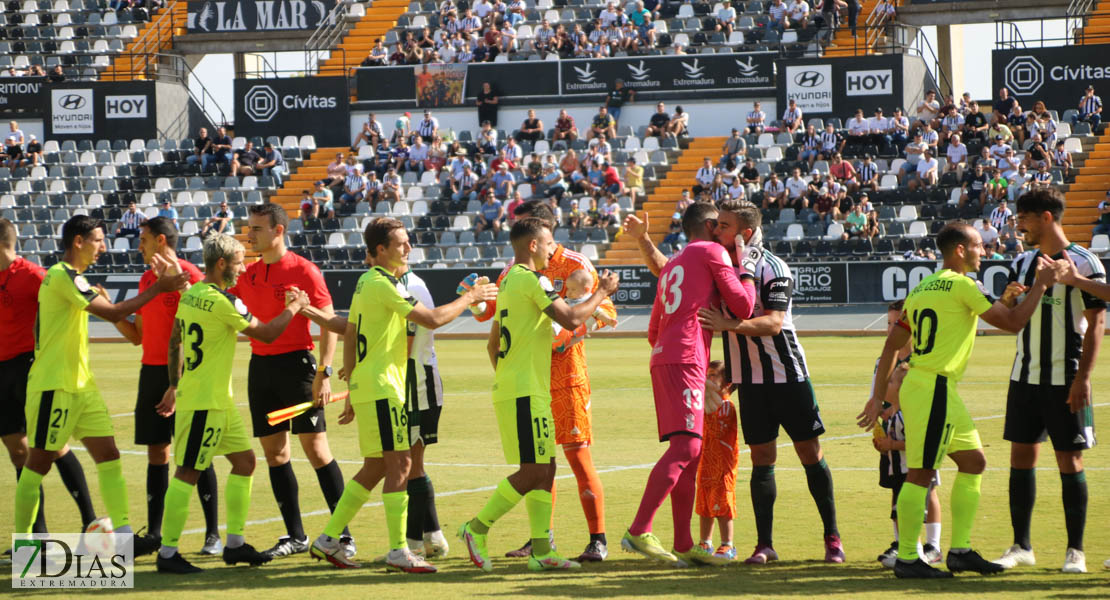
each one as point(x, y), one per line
point(284, 414)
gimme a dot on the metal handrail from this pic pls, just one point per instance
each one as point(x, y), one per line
point(875, 20)
point(1008, 35)
point(327, 36)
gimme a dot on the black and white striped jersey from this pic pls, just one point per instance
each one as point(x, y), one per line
point(768, 359)
point(424, 387)
point(1050, 344)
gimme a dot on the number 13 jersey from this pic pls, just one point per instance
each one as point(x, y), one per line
point(942, 314)
point(210, 320)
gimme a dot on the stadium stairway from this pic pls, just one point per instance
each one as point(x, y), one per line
point(1096, 30)
point(843, 44)
point(660, 202)
point(156, 36)
point(356, 44)
point(1088, 190)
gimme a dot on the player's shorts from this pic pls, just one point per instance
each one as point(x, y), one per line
point(13, 393)
point(571, 409)
point(280, 381)
point(764, 407)
point(1034, 412)
point(679, 406)
point(202, 435)
point(716, 496)
point(424, 425)
point(55, 416)
point(936, 421)
point(383, 426)
point(527, 429)
point(151, 427)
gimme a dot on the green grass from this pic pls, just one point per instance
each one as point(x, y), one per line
point(469, 461)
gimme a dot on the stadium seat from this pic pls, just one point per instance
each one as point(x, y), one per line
point(917, 230)
point(1100, 244)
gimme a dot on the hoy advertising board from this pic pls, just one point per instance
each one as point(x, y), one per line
point(836, 87)
point(1057, 76)
point(103, 109)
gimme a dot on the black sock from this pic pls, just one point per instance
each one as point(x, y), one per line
point(418, 500)
point(431, 517)
point(39, 526)
point(331, 483)
point(73, 476)
point(1075, 506)
point(1023, 494)
point(599, 537)
point(157, 482)
point(821, 488)
point(763, 501)
point(209, 501)
point(284, 483)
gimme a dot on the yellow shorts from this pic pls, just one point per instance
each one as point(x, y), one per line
point(55, 416)
point(383, 426)
point(202, 435)
point(527, 429)
point(937, 422)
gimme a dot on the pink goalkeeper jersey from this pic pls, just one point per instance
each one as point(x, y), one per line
point(700, 275)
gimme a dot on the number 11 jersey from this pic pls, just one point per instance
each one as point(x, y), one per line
point(210, 320)
point(942, 315)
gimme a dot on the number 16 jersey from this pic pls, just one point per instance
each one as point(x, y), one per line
point(210, 320)
point(942, 314)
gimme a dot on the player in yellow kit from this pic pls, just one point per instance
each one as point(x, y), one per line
point(208, 424)
point(941, 316)
point(520, 349)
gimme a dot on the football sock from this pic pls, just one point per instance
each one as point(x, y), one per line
point(682, 504)
point(27, 498)
point(1023, 494)
point(965, 502)
point(287, 493)
point(895, 521)
point(417, 489)
point(39, 525)
point(501, 502)
point(354, 496)
point(73, 477)
point(590, 492)
point(431, 517)
point(538, 505)
point(1075, 506)
point(932, 534)
point(911, 511)
point(331, 484)
point(821, 488)
point(599, 537)
point(113, 491)
point(238, 500)
point(396, 504)
point(682, 449)
point(177, 511)
point(209, 500)
point(763, 502)
point(157, 482)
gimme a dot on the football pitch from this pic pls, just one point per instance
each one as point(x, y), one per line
point(468, 462)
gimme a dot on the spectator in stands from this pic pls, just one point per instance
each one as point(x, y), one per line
point(998, 129)
point(13, 145)
point(1016, 121)
point(779, 18)
point(999, 149)
point(245, 160)
point(428, 128)
point(575, 218)
point(417, 155)
point(679, 125)
point(465, 185)
point(377, 56)
point(658, 122)
point(611, 214)
point(611, 180)
point(1020, 182)
point(915, 150)
point(774, 191)
point(502, 160)
point(1060, 157)
point(844, 173)
point(973, 183)
point(1043, 177)
point(930, 137)
point(325, 200)
point(32, 154)
point(219, 151)
point(1008, 164)
point(927, 109)
point(831, 142)
point(565, 129)
point(796, 189)
point(985, 158)
point(956, 153)
point(683, 202)
point(272, 163)
point(879, 128)
point(603, 124)
point(798, 13)
point(533, 169)
point(989, 233)
point(996, 187)
point(1010, 236)
point(513, 151)
point(503, 182)
point(1043, 125)
point(201, 147)
point(56, 74)
point(372, 133)
point(373, 189)
point(354, 187)
point(859, 130)
point(1038, 153)
point(487, 139)
point(1004, 104)
point(926, 172)
point(726, 18)
point(531, 129)
point(757, 120)
point(553, 183)
point(617, 97)
point(825, 207)
point(952, 123)
point(1102, 226)
point(642, 19)
point(675, 237)
point(401, 128)
point(168, 211)
point(391, 186)
point(811, 146)
point(899, 130)
point(704, 176)
point(130, 222)
point(487, 102)
point(750, 177)
point(792, 117)
point(510, 209)
point(593, 214)
point(219, 222)
point(868, 174)
point(491, 215)
point(975, 124)
point(336, 172)
point(309, 209)
point(569, 164)
point(855, 223)
point(1090, 109)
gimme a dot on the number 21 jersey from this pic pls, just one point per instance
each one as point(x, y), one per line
point(210, 320)
point(942, 314)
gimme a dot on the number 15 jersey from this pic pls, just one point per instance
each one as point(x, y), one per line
point(942, 314)
point(210, 320)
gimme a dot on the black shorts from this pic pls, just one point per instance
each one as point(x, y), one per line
point(1034, 412)
point(424, 425)
point(280, 381)
point(14, 152)
point(150, 427)
point(766, 406)
point(13, 393)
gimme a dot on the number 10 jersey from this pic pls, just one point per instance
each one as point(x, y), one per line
point(942, 314)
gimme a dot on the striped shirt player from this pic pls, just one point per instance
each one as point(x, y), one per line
point(757, 120)
point(998, 219)
point(866, 171)
point(791, 114)
point(1088, 107)
point(829, 141)
point(428, 127)
point(424, 387)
